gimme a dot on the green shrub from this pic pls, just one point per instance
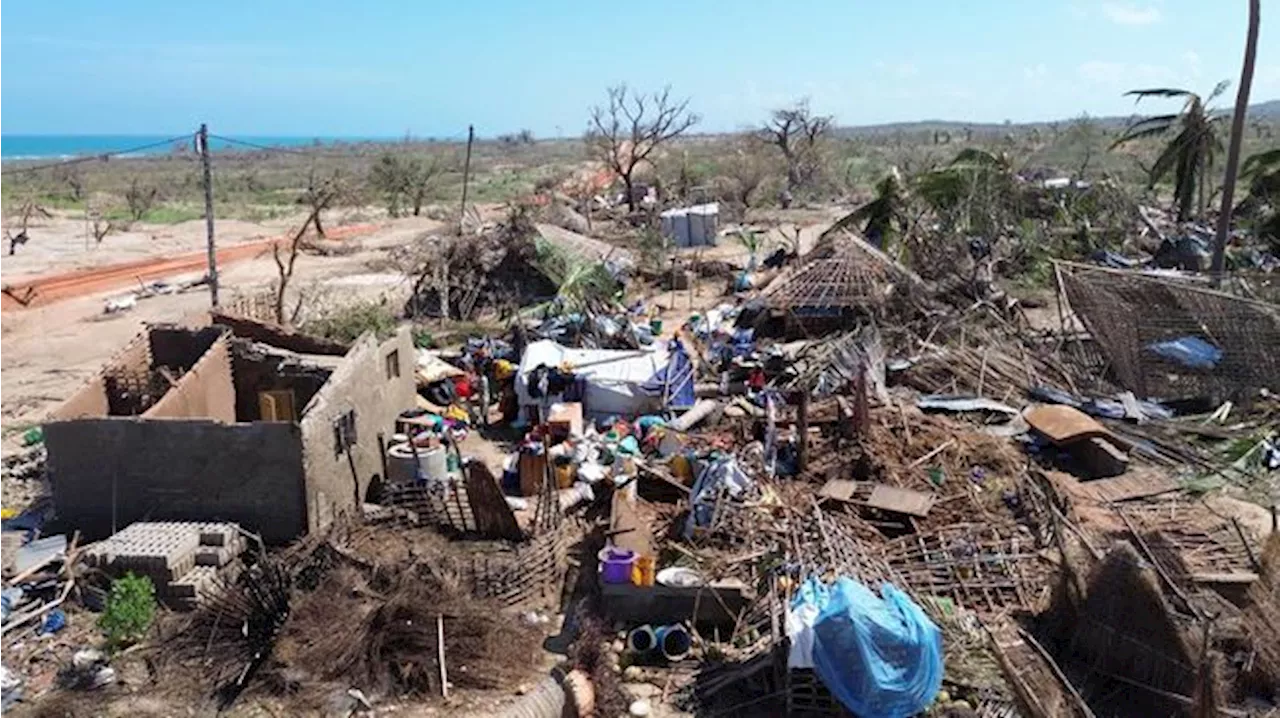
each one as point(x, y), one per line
point(346, 324)
point(131, 606)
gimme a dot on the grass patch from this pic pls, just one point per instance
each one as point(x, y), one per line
point(164, 214)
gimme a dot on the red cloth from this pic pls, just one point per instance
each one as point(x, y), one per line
point(463, 386)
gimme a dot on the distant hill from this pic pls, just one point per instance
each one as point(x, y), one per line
point(1269, 110)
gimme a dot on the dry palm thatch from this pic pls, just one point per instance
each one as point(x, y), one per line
point(381, 635)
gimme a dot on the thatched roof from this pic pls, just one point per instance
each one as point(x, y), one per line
point(842, 272)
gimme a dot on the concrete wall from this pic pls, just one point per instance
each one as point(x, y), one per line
point(205, 391)
point(360, 383)
point(177, 469)
point(91, 399)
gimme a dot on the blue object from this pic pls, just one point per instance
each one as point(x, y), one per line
point(676, 378)
point(880, 656)
point(54, 621)
point(10, 599)
point(1190, 352)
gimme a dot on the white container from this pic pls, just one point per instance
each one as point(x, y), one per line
point(434, 464)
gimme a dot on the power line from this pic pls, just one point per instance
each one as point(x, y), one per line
point(315, 152)
point(98, 157)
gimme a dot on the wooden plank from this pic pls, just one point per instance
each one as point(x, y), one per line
point(838, 489)
point(903, 501)
point(492, 513)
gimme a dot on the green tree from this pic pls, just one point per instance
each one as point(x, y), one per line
point(389, 177)
point(885, 218)
point(1190, 154)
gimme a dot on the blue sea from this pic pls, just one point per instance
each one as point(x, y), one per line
point(53, 147)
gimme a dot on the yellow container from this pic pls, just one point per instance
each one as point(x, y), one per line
point(644, 571)
point(565, 474)
point(681, 468)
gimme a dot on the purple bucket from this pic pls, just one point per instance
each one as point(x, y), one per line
point(615, 565)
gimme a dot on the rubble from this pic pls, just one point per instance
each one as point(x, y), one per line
point(918, 508)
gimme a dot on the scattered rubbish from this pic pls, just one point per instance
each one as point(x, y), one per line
point(938, 402)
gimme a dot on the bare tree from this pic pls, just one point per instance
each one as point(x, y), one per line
point(625, 132)
point(27, 209)
point(320, 194)
point(285, 264)
point(421, 174)
point(140, 198)
point(797, 133)
point(71, 175)
point(747, 171)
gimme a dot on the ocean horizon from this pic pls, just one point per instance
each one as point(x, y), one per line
point(17, 147)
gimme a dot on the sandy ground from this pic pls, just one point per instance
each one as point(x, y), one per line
point(64, 243)
point(47, 352)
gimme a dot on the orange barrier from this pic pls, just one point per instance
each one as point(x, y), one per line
point(50, 288)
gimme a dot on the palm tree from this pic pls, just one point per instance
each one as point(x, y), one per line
point(1237, 136)
point(1190, 154)
point(884, 218)
point(1262, 204)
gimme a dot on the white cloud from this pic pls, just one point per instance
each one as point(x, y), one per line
point(1035, 74)
point(1125, 14)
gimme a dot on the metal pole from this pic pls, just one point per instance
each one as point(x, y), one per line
point(466, 175)
point(203, 142)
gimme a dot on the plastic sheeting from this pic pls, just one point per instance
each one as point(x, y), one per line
point(880, 656)
point(674, 382)
point(1190, 352)
point(719, 474)
point(614, 380)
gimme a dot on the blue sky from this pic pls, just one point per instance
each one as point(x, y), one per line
point(329, 67)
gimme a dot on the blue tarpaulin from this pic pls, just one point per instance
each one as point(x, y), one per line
point(880, 656)
point(675, 380)
point(1191, 352)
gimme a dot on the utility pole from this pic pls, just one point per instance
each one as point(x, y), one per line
point(202, 142)
point(466, 175)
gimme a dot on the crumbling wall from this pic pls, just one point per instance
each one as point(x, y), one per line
point(205, 391)
point(362, 391)
point(254, 371)
point(91, 399)
point(109, 472)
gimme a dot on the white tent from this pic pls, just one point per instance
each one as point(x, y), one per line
point(614, 379)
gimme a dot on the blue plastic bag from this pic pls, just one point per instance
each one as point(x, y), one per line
point(1191, 352)
point(880, 657)
point(54, 621)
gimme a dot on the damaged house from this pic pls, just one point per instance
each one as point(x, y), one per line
point(231, 421)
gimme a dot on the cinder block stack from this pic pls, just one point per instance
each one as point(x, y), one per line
point(183, 559)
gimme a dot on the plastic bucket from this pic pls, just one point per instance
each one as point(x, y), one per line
point(673, 641)
point(401, 468)
point(615, 565)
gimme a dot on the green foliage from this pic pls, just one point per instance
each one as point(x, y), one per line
point(578, 283)
point(347, 323)
point(1190, 155)
point(130, 608)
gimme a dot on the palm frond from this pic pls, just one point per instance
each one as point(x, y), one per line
point(1218, 89)
point(1158, 92)
point(1146, 127)
point(1264, 162)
